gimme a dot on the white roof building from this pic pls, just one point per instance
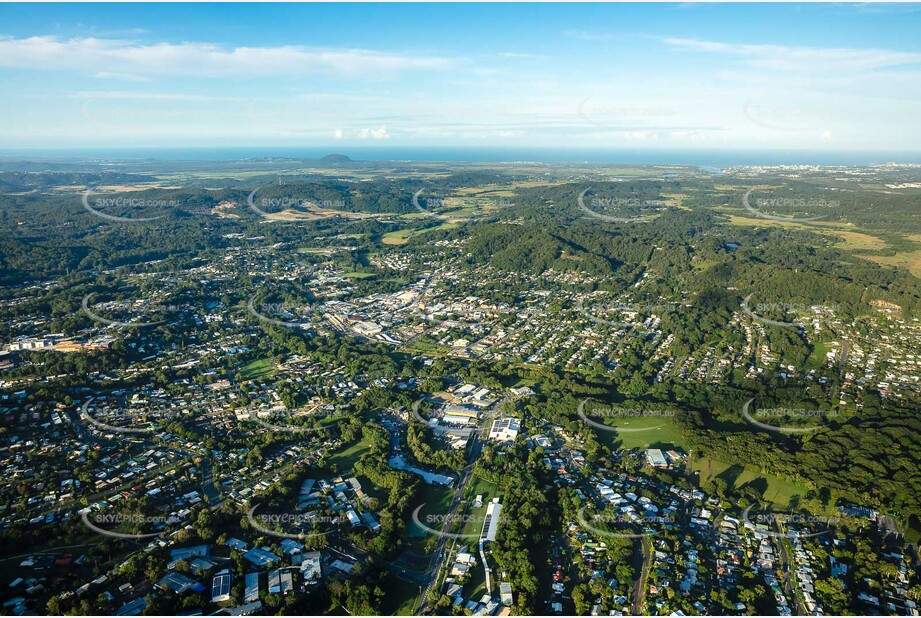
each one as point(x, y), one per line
point(505, 594)
point(505, 429)
point(311, 570)
point(656, 458)
point(491, 523)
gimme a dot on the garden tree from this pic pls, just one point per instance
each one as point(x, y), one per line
point(527, 519)
point(401, 487)
point(620, 553)
point(582, 598)
point(155, 605)
point(419, 438)
point(154, 569)
point(363, 596)
point(254, 457)
point(888, 570)
point(636, 387)
point(444, 603)
point(594, 450)
point(831, 592)
point(204, 524)
point(272, 599)
point(750, 590)
point(54, 605)
point(721, 597)
point(195, 600)
point(84, 608)
point(237, 562)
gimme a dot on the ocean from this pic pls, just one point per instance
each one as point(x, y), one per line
point(714, 159)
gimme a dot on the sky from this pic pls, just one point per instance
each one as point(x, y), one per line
point(688, 76)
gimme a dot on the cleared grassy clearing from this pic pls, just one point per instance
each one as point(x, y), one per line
point(397, 237)
point(643, 432)
point(819, 350)
point(777, 492)
point(858, 241)
point(259, 368)
point(910, 261)
point(345, 459)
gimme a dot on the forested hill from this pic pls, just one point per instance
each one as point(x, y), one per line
point(531, 249)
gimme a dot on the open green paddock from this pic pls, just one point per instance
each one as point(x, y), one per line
point(642, 432)
point(259, 368)
point(778, 492)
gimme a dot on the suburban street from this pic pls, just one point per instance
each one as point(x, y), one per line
point(440, 554)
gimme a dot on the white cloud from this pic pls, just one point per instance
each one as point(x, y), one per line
point(380, 133)
point(880, 7)
point(337, 134)
point(128, 77)
point(641, 136)
point(141, 96)
point(818, 59)
point(124, 57)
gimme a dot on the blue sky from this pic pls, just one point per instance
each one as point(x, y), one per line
point(713, 76)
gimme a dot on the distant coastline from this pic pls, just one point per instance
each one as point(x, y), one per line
point(700, 158)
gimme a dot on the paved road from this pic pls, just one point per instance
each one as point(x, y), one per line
point(353, 553)
point(441, 553)
point(207, 482)
point(638, 598)
point(786, 566)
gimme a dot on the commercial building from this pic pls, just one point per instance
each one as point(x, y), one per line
point(491, 523)
point(252, 588)
point(220, 587)
point(505, 429)
point(280, 581)
point(505, 594)
point(656, 458)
